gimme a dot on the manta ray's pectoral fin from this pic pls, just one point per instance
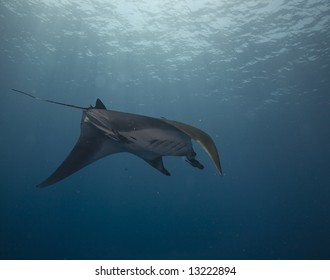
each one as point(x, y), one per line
point(158, 164)
point(91, 146)
point(203, 139)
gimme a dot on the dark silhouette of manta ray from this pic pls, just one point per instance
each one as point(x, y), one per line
point(106, 132)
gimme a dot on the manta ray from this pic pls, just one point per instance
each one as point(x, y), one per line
point(105, 132)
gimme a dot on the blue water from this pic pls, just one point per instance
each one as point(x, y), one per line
point(255, 75)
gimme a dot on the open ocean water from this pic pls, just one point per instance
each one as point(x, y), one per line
point(255, 75)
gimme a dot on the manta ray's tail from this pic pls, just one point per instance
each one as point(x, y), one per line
point(50, 101)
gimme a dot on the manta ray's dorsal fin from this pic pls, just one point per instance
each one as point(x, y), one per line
point(99, 105)
point(201, 138)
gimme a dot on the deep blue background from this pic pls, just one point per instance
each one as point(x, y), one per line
point(255, 76)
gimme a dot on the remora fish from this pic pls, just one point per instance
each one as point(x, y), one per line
point(105, 132)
